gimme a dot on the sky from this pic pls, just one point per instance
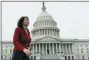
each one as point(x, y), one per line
point(72, 18)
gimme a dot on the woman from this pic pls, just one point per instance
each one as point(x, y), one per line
point(22, 40)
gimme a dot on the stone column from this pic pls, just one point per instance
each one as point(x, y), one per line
point(59, 47)
point(67, 57)
point(43, 31)
point(39, 47)
point(56, 48)
point(52, 32)
point(69, 48)
point(62, 48)
point(48, 31)
point(53, 48)
point(46, 48)
point(49, 48)
point(33, 48)
point(39, 32)
point(65, 48)
point(43, 47)
point(36, 47)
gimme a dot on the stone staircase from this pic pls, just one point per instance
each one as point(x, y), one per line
point(49, 57)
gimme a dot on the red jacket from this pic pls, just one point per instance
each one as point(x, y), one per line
point(21, 39)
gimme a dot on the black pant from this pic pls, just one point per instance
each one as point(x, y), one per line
point(19, 55)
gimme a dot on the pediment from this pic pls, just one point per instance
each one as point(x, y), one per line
point(47, 38)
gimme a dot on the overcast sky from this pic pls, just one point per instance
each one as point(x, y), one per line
point(72, 17)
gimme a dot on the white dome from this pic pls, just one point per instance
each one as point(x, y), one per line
point(44, 20)
point(44, 16)
point(45, 26)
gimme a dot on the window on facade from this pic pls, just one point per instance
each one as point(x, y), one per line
point(43, 31)
point(45, 23)
point(2, 51)
point(1, 57)
point(87, 50)
point(10, 57)
point(78, 57)
point(77, 50)
point(10, 50)
point(82, 57)
point(5, 57)
point(82, 50)
point(88, 58)
point(48, 31)
point(86, 45)
point(6, 51)
point(81, 45)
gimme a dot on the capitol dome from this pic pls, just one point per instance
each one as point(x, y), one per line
point(45, 25)
point(44, 19)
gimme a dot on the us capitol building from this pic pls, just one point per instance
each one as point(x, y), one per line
point(47, 44)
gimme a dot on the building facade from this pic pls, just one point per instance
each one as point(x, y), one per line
point(47, 44)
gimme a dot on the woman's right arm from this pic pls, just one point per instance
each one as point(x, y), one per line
point(17, 44)
point(16, 41)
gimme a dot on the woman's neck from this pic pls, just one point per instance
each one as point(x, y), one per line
point(25, 27)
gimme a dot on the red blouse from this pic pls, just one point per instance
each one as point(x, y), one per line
point(21, 39)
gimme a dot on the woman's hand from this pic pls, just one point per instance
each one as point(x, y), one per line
point(28, 48)
point(27, 51)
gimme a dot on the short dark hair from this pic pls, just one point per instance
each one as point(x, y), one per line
point(20, 21)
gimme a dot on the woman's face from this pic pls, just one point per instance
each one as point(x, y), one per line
point(26, 22)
